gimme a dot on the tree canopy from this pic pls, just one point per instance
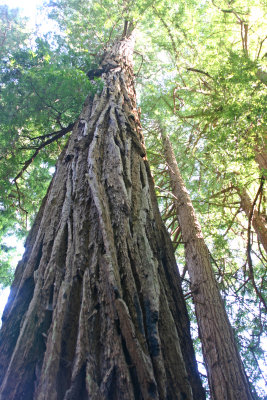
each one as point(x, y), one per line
point(201, 76)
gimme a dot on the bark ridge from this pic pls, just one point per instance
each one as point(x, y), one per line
point(96, 309)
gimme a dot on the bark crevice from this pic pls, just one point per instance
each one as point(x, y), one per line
point(96, 302)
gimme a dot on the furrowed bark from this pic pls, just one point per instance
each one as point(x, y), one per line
point(258, 220)
point(226, 375)
point(96, 309)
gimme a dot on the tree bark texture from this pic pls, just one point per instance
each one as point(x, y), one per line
point(226, 375)
point(258, 220)
point(261, 156)
point(96, 309)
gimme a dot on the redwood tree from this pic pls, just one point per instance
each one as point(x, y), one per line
point(96, 308)
point(226, 374)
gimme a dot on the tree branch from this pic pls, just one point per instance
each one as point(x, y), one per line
point(19, 200)
point(199, 71)
point(142, 61)
point(56, 135)
point(260, 47)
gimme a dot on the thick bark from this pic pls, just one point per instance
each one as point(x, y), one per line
point(258, 220)
point(226, 376)
point(96, 309)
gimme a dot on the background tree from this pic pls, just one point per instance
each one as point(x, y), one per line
point(206, 99)
point(226, 374)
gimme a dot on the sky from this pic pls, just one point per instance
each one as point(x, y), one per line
point(19, 244)
point(3, 299)
point(28, 7)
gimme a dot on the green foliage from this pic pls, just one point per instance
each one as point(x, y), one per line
point(12, 31)
point(200, 71)
point(42, 90)
point(6, 273)
point(207, 94)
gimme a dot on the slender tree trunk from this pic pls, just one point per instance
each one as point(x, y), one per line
point(96, 309)
point(261, 156)
point(226, 376)
point(258, 220)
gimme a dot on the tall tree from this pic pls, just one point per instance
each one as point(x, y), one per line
point(43, 91)
point(96, 309)
point(258, 220)
point(226, 375)
point(210, 98)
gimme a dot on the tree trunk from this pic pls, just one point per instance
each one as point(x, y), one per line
point(258, 220)
point(261, 157)
point(226, 375)
point(96, 309)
